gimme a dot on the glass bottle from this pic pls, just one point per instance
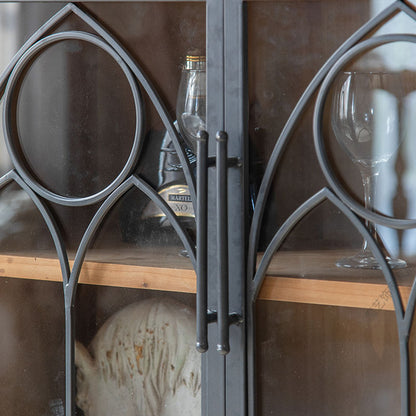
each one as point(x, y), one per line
point(172, 186)
point(191, 116)
point(191, 102)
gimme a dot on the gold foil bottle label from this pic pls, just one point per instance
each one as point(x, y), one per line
point(179, 200)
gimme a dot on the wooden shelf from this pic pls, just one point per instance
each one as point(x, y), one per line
point(110, 268)
point(332, 293)
point(312, 277)
point(302, 277)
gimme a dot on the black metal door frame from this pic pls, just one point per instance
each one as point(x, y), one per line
point(225, 387)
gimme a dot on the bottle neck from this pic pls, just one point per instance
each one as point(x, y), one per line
point(195, 63)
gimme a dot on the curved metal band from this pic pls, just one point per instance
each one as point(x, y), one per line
point(403, 319)
point(13, 176)
point(170, 215)
point(89, 235)
point(52, 227)
point(410, 310)
point(93, 226)
point(297, 215)
point(15, 76)
point(318, 135)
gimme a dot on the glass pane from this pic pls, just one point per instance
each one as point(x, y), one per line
point(326, 360)
point(78, 136)
point(32, 375)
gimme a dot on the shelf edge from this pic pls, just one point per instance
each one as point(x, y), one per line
point(331, 293)
point(96, 273)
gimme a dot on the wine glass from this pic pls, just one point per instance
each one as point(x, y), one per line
point(370, 136)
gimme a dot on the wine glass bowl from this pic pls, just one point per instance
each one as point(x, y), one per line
point(369, 133)
point(355, 117)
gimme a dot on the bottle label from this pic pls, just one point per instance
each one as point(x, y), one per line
point(179, 200)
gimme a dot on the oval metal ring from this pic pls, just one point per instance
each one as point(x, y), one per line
point(318, 135)
point(15, 76)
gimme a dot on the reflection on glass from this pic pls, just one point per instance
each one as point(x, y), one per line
point(359, 123)
point(9, 36)
point(398, 56)
point(8, 32)
point(408, 241)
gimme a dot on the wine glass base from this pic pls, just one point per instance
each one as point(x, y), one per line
point(184, 253)
point(365, 260)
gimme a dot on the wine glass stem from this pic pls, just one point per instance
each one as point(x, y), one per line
point(369, 184)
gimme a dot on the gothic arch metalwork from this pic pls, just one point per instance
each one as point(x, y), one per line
point(137, 79)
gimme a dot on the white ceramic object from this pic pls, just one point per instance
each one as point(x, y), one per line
point(142, 362)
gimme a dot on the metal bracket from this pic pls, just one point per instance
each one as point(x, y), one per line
point(232, 162)
point(212, 316)
point(234, 318)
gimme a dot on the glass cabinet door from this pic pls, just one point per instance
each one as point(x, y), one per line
point(331, 250)
point(97, 234)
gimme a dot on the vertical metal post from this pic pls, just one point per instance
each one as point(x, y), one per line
point(213, 364)
point(404, 374)
point(201, 243)
point(236, 119)
point(69, 362)
point(223, 345)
